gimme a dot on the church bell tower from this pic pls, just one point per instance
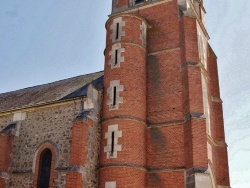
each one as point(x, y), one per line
point(162, 122)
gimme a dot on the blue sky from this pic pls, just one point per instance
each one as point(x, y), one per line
point(43, 41)
point(228, 26)
point(49, 40)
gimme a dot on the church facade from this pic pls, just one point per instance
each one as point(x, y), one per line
point(153, 118)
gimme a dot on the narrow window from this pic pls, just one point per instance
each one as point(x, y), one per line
point(112, 143)
point(114, 96)
point(44, 169)
point(117, 31)
point(139, 1)
point(116, 57)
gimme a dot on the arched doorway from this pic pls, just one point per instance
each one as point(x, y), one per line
point(44, 169)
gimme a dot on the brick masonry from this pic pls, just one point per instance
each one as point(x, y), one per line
point(177, 118)
point(45, 125)
point(160, 124)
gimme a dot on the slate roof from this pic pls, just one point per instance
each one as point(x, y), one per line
point(51, 92)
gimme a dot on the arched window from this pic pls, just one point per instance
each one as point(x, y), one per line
point(44, 169)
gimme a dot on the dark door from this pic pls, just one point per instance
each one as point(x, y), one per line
point(44, 169)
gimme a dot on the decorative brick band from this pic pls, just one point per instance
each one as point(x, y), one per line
point(125, 15)
point(126, 43)
point(186, 64)
point(169, 123)
point(164, 51)
point(128, 165)
point(151, 125)
point(144, 168)
point(124, 117)
point(160, 170)
point(74, 168)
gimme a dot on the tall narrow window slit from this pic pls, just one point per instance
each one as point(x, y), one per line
point(117, 31)
point(112, 143)
point(116, 57)
point(114, 96)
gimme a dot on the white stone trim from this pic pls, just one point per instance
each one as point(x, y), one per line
point(202, 45)
point(17, 129)
point(110, 184)
point(209, 152)
point(112, 55)
point(202, 180)
point(211, 175)
point(113, 28)
point(92, 97)
point(110, 91)
point(206, 106)
point(108, 137)
point(143, 35)
point(203, 18)
point(202, 49)
point(19, 116)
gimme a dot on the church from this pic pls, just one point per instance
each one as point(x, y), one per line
point(152, 119)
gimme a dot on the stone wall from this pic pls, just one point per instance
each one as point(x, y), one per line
point(93, 151)
point(50, 124)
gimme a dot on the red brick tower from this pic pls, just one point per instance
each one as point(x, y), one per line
point(162, 122)
point(124, 110)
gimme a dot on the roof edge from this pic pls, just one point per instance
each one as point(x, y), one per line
point(51, 82)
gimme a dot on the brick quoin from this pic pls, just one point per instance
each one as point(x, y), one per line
point(220, 162)
point(78, 152)
point(6, 140)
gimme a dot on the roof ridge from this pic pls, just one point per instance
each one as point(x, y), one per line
point(57, 81)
